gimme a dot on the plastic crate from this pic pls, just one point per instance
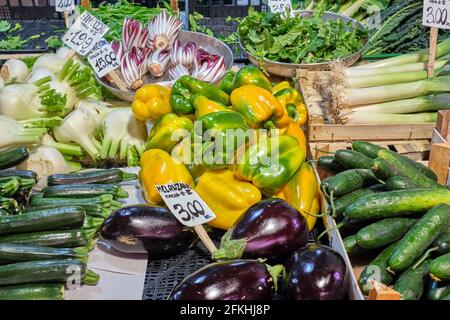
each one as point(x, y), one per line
point(224, 8)
point(28, 10)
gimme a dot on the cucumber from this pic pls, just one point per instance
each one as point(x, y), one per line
point(446, 297)
point(376, 270)
point(104, 200)
point(440, 268)
point(41, 271)
point(382, 169)
point(436, 290)
point(408, 170)
point(330, 164)
point(352, 247)
point(349, 181)
point(52, 219)
point(13, 156)
point(24, 174)
point(97, 176)
point(366, 148)
point(11, 253)
point(38, 291)
point(379, 187)
point(396, 203)
point(384, 232)
point(410, 284)
point(92, 223)
point(419, 237)
point(93, 210)
point(351, 159)
point(343, 202)
point(371, 150)
point(442, 242)
point(399, 183)
point(58, 239)
point(83, 191)
point(325, 184)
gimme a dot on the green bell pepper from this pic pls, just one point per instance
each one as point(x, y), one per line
point(270, 172)
point(186, 88)
point(227, 83)
point(251, 75)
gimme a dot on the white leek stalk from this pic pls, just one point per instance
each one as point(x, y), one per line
point(409, 67)
point(386, 118)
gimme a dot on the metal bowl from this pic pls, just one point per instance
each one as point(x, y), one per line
point(204, 41)
point(289, 70)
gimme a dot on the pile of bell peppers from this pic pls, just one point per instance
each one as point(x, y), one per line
point(243, 100)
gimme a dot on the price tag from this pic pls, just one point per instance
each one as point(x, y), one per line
point(436, 14)
point(185, 204)
point(281, 6)
point(64, 5)
point(85, 33)
point(103, 58)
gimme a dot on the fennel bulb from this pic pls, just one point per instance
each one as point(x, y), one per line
point(13, 133)
point(40, 73)
point(97, 109)
point(49, 61)
point(14, 71)
point(46, 161)
point(2, 83)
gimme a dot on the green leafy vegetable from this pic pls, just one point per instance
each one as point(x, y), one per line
point(4, 26)
point(12, 43)
point(17, 27)
point(194, 19)
point(54, 42)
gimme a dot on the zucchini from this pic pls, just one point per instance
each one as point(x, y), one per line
point(343, 202)
point(104, 200)
point(349, 181)
point(62, 238)
point(92, 223)
point(8, 204)
point(51, 219)
point(410, 284)
point(97, 176)
point(396, 203)
point(436, 290)
point(330, 164)
point(41, 271)
point(38, 291)
point(376, 270)
point(351, 159)
point(366, 148)
point(13, 156)
point(93, 210)
point(382, 169)
point(352, 247)
point(4, 213)
point(384, 232)
point(24, 174)
point(11, 253)
point(419, 237)
point(408, 170)
point(399, 183)
point(440, 268)
point(8, 186)
point(83, 191)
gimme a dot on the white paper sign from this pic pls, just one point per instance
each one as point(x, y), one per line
point(185, 204)
point(64, 5)
point(436, 13)
point(281, 6)
point(103, 58)
point(85, 33)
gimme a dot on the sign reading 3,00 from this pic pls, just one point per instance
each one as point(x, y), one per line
point(436, 14)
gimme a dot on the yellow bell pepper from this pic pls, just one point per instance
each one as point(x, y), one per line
point(158, 167)
point(301, 191)
point(280, 86)
point(292, 101)
point(151, 102)
point(297, 132)
point(203, 106)
point(260, 108)
point(227, 196)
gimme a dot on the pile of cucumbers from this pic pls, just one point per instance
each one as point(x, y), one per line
point(391, 207)
point(44, 245)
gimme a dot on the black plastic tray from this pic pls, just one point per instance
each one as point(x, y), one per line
point(45, 28)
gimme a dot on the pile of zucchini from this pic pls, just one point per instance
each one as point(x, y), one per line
point(392, 208)
point(44, 244)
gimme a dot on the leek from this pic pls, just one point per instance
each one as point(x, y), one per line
point(386, 118)
point(387, 79)
point(420, 104)
point(410, 67)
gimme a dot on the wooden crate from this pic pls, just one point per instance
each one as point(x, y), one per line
point(440, 148)
point(320, 129)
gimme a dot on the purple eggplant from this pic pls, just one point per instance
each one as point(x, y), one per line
point(316, 273)
point(229, 280)
point(147, 229)
point(270, 229)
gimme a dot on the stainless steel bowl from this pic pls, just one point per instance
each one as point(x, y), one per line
point(289, 70)
point(204, 41)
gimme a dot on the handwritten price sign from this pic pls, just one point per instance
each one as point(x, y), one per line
point(185, 204)
point(281, 6)
point(103, 58)
point(64, 5)
point(436, 14)
point(85, 33)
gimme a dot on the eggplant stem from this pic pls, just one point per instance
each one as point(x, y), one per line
point(275, 272)
point(424, 257)
point(229, 249)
